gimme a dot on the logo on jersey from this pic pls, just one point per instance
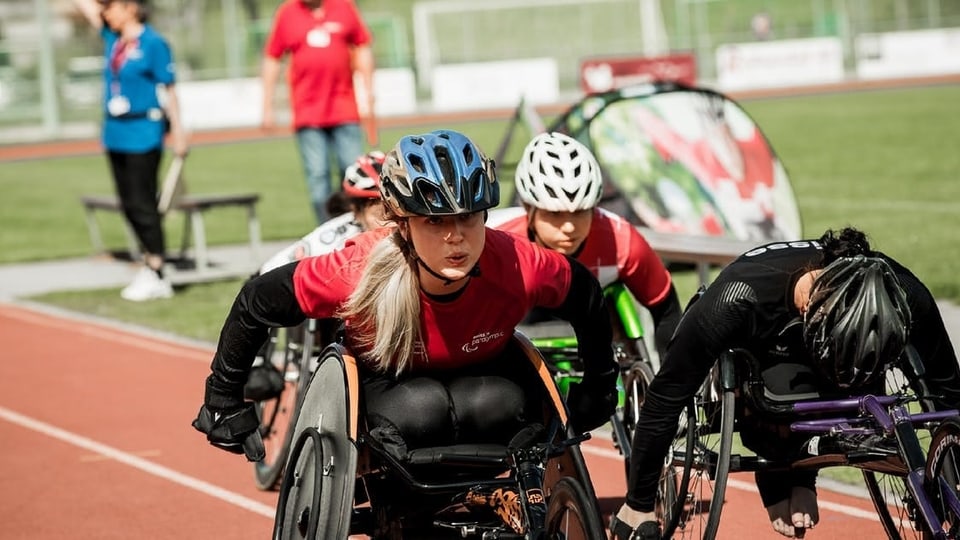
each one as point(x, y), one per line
point(782, 245)
point(480, 339)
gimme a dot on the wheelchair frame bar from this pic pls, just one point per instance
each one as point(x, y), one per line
point(399, 468)
point(849, 425)
point(846, 404)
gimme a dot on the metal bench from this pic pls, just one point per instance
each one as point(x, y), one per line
point(193, 208)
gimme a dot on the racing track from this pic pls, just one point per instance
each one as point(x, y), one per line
point(98, 444)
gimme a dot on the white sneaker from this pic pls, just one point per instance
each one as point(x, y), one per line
point(147, 285)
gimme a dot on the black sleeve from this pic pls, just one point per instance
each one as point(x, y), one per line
point(929, 337)
point(666, 316)
point(263, 302)
point(719, 320)
point(585, 309)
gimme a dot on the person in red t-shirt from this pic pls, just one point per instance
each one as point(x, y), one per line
point(327, 41)
point(429, 308)
point(559, 181)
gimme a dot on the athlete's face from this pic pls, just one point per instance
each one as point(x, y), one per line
point(448, 245)
point(561, 231)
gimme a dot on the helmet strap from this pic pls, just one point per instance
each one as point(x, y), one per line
point(412, 252)
point(475, 271)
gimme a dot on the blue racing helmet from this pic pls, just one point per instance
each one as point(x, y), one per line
point(441, 173)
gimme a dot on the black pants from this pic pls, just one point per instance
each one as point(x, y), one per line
point(488, 403)
point(135, 179)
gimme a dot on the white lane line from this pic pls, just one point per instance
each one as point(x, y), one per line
point(138, 463)
point(746, 486)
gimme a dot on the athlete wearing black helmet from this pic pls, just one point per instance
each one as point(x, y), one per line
point(832, 304)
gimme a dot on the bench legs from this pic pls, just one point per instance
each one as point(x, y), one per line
point(96, 238)
point(194, 231)
point(253, 227)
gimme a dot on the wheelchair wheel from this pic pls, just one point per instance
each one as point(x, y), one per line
point(941, 479)
point(888, 491)
point(285, 351)
point(299, 509)
point(702, 448)
point(317, 493)
point(571, 515)
point(636, 381)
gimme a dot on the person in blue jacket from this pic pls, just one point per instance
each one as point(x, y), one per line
point(137, 60)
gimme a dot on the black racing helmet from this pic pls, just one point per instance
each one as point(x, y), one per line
point(441, 173)
point(857, 320)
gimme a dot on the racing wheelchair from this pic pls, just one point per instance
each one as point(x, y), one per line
point(342, 480)
point(906, 451)
point(291, 354)
point(555, 342)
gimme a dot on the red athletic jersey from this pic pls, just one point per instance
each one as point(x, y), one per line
point(615, 251)
point(321, 70)
point(515, 275)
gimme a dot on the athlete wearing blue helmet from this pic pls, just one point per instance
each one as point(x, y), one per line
point(440, 173)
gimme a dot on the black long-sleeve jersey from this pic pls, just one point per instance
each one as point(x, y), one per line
point(750, 306)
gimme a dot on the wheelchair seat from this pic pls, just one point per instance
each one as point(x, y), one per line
point(342, 479)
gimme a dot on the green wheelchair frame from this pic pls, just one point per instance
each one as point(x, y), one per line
point(636, 367)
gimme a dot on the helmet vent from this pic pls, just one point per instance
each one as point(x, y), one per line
point(417, 163)
point(468, 155)
point(447, 171)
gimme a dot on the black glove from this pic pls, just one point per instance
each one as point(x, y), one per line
point(591, 404)
point(236, 431)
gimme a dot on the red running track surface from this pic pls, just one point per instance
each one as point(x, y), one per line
point(97, 443)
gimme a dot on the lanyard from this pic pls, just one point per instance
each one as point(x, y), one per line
point(118, 57)
point(118, 54)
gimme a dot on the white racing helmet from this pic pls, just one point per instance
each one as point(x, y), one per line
point(558, 174)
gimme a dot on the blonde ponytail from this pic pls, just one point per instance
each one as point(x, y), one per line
point(384, 309)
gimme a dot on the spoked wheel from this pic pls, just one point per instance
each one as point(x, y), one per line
point(942, 481)
point(888, 491)
point(672, 490)
point(571, 515)
point(636, 382)
point(704, 455)
point(286, 352)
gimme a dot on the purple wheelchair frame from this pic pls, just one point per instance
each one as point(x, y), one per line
point(886, 416)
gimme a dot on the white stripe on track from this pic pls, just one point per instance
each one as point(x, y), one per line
point(138, 463)
point(851, 511)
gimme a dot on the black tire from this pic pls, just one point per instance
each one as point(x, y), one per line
point(277, 416)
point(706, 466)
point(636, 379)
point(888, 491)
point(320, 477)
point(571, 515)
point(941, 475)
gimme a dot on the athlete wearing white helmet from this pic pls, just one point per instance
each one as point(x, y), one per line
point(559, 174)
point(560, 184)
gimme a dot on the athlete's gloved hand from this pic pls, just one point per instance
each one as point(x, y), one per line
point(592, 402)
point(236, 431)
